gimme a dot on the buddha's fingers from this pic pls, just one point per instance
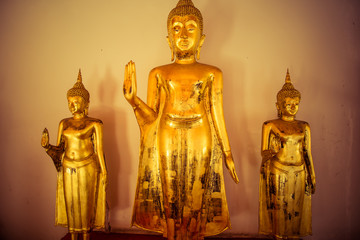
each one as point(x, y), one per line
point(234, 176)
point(232, 172)
point(126, 80)
point(133, 77)
point(45, 138)
point(129, 85)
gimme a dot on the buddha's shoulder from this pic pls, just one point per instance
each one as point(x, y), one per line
point(278, 122)
point(87, 120)
point(271, 122)
point(303, 123)
point(94, 120)
point(172, 66)
point(161, 69)
point(210, 68)
point(65, 120)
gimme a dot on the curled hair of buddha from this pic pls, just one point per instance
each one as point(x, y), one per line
point(185, 8)
point(79, 90)
point(287, 90)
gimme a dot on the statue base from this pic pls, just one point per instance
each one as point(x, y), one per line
point(97, 235)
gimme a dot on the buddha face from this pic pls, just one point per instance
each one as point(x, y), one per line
point(184, 35)
point(290, 106)
point(77, 105)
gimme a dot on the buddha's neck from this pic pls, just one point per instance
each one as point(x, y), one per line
point(189, 60)
point(287, 118)
point(79, 116)
point(186, 57)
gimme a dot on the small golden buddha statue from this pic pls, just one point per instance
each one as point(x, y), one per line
point(79, 160)
point(180, 189)
point(287, 177)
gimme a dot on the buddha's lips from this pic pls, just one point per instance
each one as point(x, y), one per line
point(184, 43)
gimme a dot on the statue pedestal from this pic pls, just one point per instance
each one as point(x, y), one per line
point(96, 235)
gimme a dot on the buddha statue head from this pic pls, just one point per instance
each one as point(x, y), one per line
point(185, 30)
point(78, 97)
point(288, 98)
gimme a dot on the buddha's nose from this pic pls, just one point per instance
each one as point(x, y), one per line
point(184, 33)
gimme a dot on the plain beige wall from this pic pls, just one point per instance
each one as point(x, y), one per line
point(43, 43)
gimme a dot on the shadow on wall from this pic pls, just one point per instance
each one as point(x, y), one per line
point(116, 149)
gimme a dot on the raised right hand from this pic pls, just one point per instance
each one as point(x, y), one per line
point(45, 139)
point(130, 87)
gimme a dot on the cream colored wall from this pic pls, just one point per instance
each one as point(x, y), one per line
point(43, 43)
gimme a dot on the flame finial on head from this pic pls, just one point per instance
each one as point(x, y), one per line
point(184, 8)
point(287, 78)
point(79, 79)
point(79, 90)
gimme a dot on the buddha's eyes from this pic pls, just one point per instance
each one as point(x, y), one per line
point(290, 104)
point(176, 29)
point(191, 27)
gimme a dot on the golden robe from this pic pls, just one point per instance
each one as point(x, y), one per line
point(210, 216)
point(83, 207)
point(285, 200)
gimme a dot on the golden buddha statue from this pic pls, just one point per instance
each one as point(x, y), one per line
point(180, 188)
point(79, 160)
point(287, 177)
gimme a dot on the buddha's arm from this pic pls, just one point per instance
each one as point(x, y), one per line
point(144, 114)
point(217, 114)
point(99, 146)
point(153, 93)
point(60, 133)
point(308, 158)
point(266, 153)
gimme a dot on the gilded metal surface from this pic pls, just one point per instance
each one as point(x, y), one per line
point(79, 159)
point(180, 189)
point(287, 177)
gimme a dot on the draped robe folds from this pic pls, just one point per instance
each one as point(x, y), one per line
point(284, 198)
point(149, 207)
point(282, 212)
point(97, 200)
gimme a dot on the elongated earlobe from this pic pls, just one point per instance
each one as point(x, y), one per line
point(278, 109)
point(86, 110)
point(171, 48)
point(201, 42)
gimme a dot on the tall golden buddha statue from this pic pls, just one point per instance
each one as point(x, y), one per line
point(79, 160)
point(287, 177)
point(180, 188)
